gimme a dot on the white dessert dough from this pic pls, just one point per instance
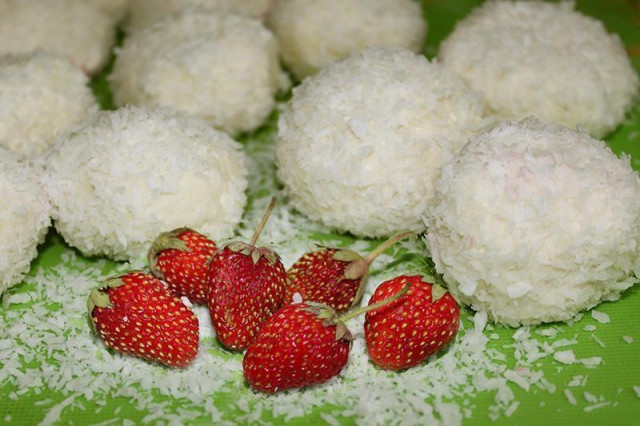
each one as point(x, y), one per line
point(116, 9)
point(148, 12)
point(40, 95)
point(534, 223)
point(220, 67)
point(24, 217)
point(71, 28)
point(314, 33)
point(543, 59)
point(125, 176)
point(360, 144)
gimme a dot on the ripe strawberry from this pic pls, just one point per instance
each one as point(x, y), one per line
point(300, 345)
point(180, 258)
point(246, 286)
point(294, 349)
point(135, 314)
point(404, 333)
point(335, 277)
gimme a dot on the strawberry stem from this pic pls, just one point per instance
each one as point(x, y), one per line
point(374, 306)
point(382, 247)
point(263, 222)
point(360, 267)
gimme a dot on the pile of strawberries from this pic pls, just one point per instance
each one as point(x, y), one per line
point(291, 324)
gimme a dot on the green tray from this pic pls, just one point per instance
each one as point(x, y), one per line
point(36, 354)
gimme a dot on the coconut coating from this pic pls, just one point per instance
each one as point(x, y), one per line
point(543, 59)
point(24, 217)
point(220, 67)
point(40, 95)
point(71, 28)
point(315, 33)
point(534, 223)
point(124, 176)
point(360, 144)
point(116, 9)
point(145, 13)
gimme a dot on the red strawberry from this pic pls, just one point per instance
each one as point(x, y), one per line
point(135, 314)
point(246, 286)
point(180, 258)
point(302, 344)
point(294, 349)
point(335, 277)
point(404, 333)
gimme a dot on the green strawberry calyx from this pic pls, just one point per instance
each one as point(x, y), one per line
point(254, 252)
point(99, 296)
point(329, 318)
point(165, 241)
point(437, 291)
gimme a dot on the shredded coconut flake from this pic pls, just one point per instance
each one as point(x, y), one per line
point(595, 406)
point(591, 362)
point(570, 397)
point(297, 297)
point(601, 317)
point(598, 341)
point(565, 357)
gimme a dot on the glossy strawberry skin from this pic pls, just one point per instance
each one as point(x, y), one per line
point(243, 294)
point(294, 349)
point(319, 277)
point(406, 332)
point(184, 269)
point(145, 320)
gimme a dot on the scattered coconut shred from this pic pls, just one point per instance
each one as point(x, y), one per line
point(46, 348)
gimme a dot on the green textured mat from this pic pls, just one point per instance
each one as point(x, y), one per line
point(603, 395)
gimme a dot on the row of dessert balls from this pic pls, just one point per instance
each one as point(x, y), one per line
point(216, 59)
point(219, 61)
point(530, 221)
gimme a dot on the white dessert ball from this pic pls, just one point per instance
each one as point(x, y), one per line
point(24, 217)
point(71, 28)
point(145, 13)
point(315, 33)
point(223, 68)
point(116, 9)
point(124, 176)
point(360, 144)
point(533, 223)
point(543, 59)
point(41, 94)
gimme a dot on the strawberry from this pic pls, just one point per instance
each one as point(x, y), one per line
point(300, 345)
point(246, 286)
point(335, 277)
point(404, 333)
point(136, 314)
point(180, 258)
point(295, 349)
